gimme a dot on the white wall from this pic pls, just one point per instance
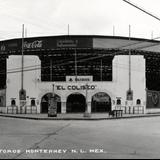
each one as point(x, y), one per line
point(30, 77)
point(121, 77)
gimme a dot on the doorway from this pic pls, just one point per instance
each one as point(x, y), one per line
point(76, 103)
point(101, 103)
point(46, 100)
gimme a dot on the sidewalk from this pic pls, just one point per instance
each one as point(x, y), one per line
point(97, 116)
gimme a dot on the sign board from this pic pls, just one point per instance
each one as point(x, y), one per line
point(75, 87)
point(101, 97)
point(33, 45)
point(129, 95)
point(153, 99)
point(79, 79)
point(66, 43)
point(22, 94)
point(48, 43)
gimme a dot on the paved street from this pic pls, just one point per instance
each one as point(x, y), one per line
point(127, 138)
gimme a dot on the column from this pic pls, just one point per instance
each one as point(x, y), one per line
point(63, 107)
point(89, 107)
point(88, 110)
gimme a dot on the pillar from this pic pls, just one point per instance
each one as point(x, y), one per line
point(89, 107)
point(88, 110)
point(63, 107)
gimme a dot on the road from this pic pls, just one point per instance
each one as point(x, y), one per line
point(127, 138)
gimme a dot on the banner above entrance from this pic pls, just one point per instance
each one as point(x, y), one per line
point(79, 79)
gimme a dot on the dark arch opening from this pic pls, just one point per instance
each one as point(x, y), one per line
point(33, 102)
point(101, 102)
point(76, 103)
point(46, 100)
point(138, 102)
point(13, 102)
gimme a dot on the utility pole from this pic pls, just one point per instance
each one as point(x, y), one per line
point(129, 92)
point(76, 63)
point(22, 92)
point(68, 30)
point(113, 30)
point(51, 65)
point(101, 70)
point(129, 59)
point(25, 32)
point(22, 73)
point(152, 35)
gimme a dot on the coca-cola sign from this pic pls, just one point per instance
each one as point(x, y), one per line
point(33, 45)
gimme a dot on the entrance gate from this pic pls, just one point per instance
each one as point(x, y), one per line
point(45, 102)
point(76, 103)
point(101, 102)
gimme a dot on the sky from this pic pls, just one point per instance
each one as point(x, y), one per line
point(85, 17)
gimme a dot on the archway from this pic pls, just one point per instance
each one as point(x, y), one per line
point(46, 100)
point(76, 103)
point(101, 102)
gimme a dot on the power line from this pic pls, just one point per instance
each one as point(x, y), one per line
point(87, 59)
point(121, 47)
point(65, 63)
point(140, 8)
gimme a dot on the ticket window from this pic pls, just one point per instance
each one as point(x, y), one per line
point(118, 102)
point(138, 102)
point(13, 102)
point(33, 102)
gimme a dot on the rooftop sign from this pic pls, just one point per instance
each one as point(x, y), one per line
point(67, 43)
point(79, 79)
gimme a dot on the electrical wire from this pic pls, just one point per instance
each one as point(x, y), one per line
point(83, 60)
point(143, 10)
point(119, 52)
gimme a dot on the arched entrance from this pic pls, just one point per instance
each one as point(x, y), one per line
point(45, 102)
point(101, 102)
point(76, 103)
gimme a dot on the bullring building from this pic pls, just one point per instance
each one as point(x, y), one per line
point(97, 73)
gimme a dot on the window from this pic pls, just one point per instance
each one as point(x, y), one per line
point(138, 101)
point(13, 102)
point(118, 102)
point(33, 103)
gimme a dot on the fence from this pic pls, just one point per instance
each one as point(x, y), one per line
point(12, 110)
point(31, 110)
point(23, 110)
point(131, 110)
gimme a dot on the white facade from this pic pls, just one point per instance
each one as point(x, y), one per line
point(116, 89)
point(32, 72)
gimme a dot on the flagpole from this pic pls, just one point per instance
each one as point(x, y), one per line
point(22, 73)
point(129, 60)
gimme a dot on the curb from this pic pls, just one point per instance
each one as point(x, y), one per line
point(80, 119)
